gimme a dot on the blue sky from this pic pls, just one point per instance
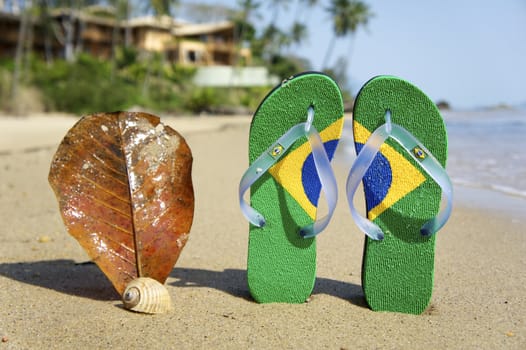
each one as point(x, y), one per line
point(470, 53)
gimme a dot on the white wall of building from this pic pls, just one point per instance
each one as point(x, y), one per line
point(227, 76)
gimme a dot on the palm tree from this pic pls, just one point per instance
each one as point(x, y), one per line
point(200, 12)
point(69, 20)
point(347, 17)
point(248, 8)
point(121, 13)
point(276, 6)
point(19, 53)
point(298, 32)
point(162, 7)
point(274, 38)
point(123, 10)
point(245, 31)
point(44, 16)
point(301, 6)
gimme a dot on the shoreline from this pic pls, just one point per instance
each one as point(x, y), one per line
point(18, 137)
point(46, 130)
point(19, 134)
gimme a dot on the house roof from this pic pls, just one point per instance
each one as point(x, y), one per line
point(177, 27)
point(87, 17)
point(163, 22)
point(203, 28)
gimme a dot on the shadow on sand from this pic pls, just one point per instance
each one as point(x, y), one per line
point(87, 280)
point(64, 276)
point(234, 282)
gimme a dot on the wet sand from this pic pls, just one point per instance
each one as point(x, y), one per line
point(50, 298)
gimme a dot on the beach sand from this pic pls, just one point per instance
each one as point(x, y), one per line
point(50, 298)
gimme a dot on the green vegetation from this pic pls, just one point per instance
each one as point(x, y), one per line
point(272, 44)
point(83, 84)
point(82, 87)
point(90, 85)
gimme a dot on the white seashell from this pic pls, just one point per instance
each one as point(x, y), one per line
point(146, 295)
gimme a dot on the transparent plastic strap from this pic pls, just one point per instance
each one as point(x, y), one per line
point(434, 169)
point(420, 153)
point(328, 184)
point(260, 167)
point(269, 158)
point(363, 161)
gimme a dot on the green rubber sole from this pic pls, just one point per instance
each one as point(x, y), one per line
point(398, 272)
point(282, 265)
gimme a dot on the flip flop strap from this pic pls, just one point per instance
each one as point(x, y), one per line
point(423, 157)
point(328, 184)
point(270, 156)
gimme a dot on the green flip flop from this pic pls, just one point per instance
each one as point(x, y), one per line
point(293, 136)
point(401, 142)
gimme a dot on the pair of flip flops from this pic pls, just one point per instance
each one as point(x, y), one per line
point(401, 142)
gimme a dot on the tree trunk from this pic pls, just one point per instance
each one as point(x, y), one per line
point(114, 43)
point(28, 46)
point(79, 47)
point(48, 48)
point(127, 30)
point(19, 54)
point(69, 27)
point(328, 53)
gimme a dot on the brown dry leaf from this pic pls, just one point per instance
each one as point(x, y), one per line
point(124, 187)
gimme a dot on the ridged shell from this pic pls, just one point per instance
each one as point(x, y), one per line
point(146, 295)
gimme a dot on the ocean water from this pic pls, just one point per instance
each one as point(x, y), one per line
point(487, 150)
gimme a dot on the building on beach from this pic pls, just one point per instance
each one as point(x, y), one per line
point(206, 45)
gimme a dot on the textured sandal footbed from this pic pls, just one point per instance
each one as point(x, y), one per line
point(282, 265)
point(398, 272)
